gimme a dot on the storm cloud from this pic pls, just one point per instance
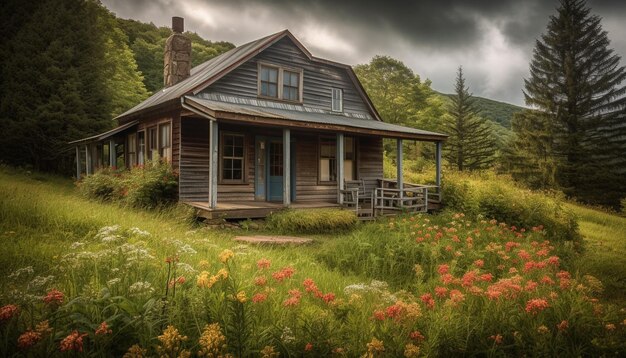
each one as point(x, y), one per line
point(492, 40)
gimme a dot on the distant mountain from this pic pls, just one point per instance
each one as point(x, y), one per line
point(496, 111)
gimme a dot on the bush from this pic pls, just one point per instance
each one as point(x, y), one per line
point(104, 185)
point(148, 187)
point(623, 204)
point(495, 197)
point(314, 221)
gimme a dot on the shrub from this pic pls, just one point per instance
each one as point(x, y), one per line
point(314, 221)
point(154, 185)
point(623, 204)
point(105, 185)
point(495, 197)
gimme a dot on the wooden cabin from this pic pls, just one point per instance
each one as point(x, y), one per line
point(264, 126)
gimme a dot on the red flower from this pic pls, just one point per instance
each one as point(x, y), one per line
point(260, 281)
point(259, 297)
point(28, 339)
point(443, 269)
point(284, 273)
point(8, 311)
point(487, 277)
point(536, 305)
point(103, 329)
point(394, 311)
point(497, 338)
point(441, 291)
point(263, 264)
point(479, 263)
point(308, 347)
point(73, 342)
point(379, 315)
point(416, 336)
point(54, 297)
point(329, 297)
point(428, 300)
point(562, 326)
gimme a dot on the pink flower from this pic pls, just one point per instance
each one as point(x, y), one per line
point(54, 297)
point(536, 305)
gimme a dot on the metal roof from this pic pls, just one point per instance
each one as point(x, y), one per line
point(106, 134)
point(309, 115)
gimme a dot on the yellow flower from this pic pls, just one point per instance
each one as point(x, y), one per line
point(411, 350)
point(543, 329)
point(241, 297)
point(226, 255)
point(375, 347)
point(223, 273)
point(212, 341)
point(135, 351)
point(268, 352)
point(171, 341)
point(203, 264)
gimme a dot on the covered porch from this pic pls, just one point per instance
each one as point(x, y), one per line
point(312, 164)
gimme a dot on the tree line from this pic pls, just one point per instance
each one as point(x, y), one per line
point(571, 138)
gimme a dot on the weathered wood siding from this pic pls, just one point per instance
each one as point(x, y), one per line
point(318, 79)
point(194, 160)
point(308, 187)
point(370, 161)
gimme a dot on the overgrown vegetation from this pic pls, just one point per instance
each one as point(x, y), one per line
point(312, 221)
point(148, 187)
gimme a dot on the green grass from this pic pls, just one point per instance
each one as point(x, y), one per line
point(605, 249)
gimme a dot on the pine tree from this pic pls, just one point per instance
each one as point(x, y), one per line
point(471, 144)
point(575, 83)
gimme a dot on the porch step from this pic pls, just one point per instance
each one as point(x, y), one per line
point(274, 240)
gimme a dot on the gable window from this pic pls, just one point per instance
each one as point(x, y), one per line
point(232, 158)
point(337, 100)
point(280, 82)
point(165, 142)
point(291, 86)
point(132, 150)
point(153, 150)
point(328, 161)
point(269, 81)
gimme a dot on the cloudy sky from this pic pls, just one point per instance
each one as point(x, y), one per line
point(492, 40)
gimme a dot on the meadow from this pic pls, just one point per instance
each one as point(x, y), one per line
point(99, 279)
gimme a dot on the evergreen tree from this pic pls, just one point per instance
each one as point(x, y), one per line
point(575, 82)
point(471, 144)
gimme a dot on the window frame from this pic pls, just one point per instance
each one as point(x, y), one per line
point(220, 166)
point(355, 166)
point(131, 151)
point(159, 144)
point(144, 156)
point(149, 142)
point(281, 69)
point(332, 99)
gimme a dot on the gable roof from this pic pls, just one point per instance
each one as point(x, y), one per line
point(212, 70)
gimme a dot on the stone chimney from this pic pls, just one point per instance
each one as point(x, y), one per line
point(177, 59)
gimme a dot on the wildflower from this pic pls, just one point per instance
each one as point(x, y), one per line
point(212, 341)
point(486, 277)
point(497, 338)
point(259, 297)
point(73, 342)
point(394, 311)
point(456, 296)
point(447, 279)
point(553, 260)
point(543, 329)
point(417, 336)
point(536, 305)
point(379, 315)
point(43, 328)
point(170, 343)
point(375, 347)
point(260, 281)
point(283, 273)
point(171, 259)
point(468, 279)
point(547, 280)
point(263, 264)
point(309, 285)
point(411, 350)
point(562, 326)
point(226, 255)
point(308, 347)
point(135, 351)
point(53, 297)
point(479, 263)
point(531, 285)
point(8, 311)
point(610, 327)
point(269, 352)
point(441, 291)
point(241, 297)
point(103, 329)
point(203, 264)
point(443, 269)
point(28, 339)
point(222, 273)
point(205, 280)
point(329, 297)
point(563, 275)
point(428, 300)
point(294, 298)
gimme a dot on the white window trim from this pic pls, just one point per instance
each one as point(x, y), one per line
point(280, 69)
point(332, 100)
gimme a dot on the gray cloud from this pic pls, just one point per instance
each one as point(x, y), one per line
point(493, 40)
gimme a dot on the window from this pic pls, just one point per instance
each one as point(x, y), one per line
point(232, 160)
point(291, 86)
point(280, 83)
point(141, 147)
point(132, 150)
point(337, 100)
point(269, 81)
point(328, 162)
point(153, 150)
point(165, 142)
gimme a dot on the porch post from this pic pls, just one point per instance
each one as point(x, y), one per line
point(286, 167)
point(213, 153)
point(438, 164)
point(87, 160)
point(340, 176)
point(112, 156)
point(399, 167)
point(77, 163)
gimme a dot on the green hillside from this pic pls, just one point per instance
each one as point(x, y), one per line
point(496, 111)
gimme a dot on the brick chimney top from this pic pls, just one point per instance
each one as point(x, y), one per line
point(178, 24)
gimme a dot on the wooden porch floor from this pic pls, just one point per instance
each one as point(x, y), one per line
point(250, 209)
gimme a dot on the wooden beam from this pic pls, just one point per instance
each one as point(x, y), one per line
point(213, 154)
point(87, 160)
point(78, 163)
point(399, 167)
point(286, 167)
point(340, 158)
point(438, 164)
point(112, 156)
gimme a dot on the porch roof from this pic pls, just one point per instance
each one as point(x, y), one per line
point(107, 134)
point(305, 117)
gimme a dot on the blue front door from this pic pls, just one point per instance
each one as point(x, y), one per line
point(275, 167)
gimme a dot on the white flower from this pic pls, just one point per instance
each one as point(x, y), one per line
point(137, 231)
point(76, 245)
point(185, 267)
point(287, 336)
point(113, 281)
point(28, 270)
point(40, 282)
point(187, 249)
point(140, 288)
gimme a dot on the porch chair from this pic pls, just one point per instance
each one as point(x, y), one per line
point(357, 199)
